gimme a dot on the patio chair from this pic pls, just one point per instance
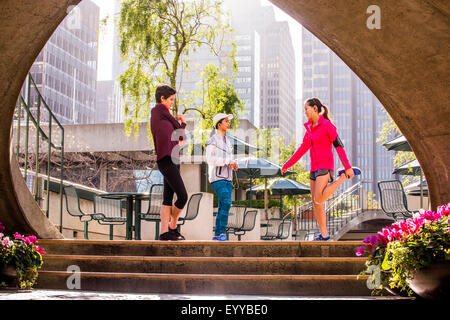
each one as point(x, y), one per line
point(272, 229)
point(151, 210)
point(300, 235)
point(284, 229)
point(73, 207)
point(248, 223)
point(236, 217)
point(192, 209)
point(393, 200)
point(108, 212)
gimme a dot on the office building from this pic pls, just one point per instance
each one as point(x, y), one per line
point(66, 69)
point(356, 112)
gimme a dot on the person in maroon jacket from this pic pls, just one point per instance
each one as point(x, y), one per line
point(167, 134)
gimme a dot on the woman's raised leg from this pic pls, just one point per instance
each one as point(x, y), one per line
point(326, 190)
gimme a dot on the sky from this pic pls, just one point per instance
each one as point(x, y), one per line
point(104, 70)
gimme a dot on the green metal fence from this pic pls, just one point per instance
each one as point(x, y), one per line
point(33, 116)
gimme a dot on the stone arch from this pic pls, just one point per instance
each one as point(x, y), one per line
point(404, 63)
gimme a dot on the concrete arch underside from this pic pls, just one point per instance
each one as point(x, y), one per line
point(405, 64)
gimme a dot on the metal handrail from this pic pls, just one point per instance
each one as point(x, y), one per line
point(338, 209)
point(41, 135)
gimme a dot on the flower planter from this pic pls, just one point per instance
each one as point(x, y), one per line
point(432, 282)
point(9, 276)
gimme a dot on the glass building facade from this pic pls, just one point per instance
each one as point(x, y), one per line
point(356, 112)
point(66, 68)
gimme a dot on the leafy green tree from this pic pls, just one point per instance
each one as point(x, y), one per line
point(156, 39)
point(216, 94)
point(387, 133)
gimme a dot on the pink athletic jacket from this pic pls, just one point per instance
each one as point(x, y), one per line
point(319, 140)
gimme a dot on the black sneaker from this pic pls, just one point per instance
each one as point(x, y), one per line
point(168, 236)
point(177, 233)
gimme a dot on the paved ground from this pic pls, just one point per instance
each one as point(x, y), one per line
point(10, 294)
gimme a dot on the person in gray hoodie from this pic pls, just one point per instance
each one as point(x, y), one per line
point(219, 156)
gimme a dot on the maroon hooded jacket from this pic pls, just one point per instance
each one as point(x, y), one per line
point(166, 131)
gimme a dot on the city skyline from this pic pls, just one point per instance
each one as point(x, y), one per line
point(106, 39)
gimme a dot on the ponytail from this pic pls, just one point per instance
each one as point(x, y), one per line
point(325, 112)
point(321, 108)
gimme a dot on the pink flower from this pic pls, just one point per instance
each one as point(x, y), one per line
point(40, 250)
point(360, 251)
point(2, 227)
point(18, 236)
point(30, 240)
point(7, 243)
point(444, 210)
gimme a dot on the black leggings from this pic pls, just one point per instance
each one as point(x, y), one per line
point(173, 183)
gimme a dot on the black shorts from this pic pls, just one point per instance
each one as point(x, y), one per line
point(321, 172)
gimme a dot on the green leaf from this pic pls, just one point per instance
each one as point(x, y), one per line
point(385, 265)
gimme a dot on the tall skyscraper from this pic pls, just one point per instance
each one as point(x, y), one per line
point(355, 111)
point(248, 59)
point(265, 81)
point(66, 68)
point(277, 67)
point(108, 102)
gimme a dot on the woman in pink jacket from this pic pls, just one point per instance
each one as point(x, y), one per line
point(320, 137)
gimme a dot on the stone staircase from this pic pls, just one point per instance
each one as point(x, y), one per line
point(277, 268)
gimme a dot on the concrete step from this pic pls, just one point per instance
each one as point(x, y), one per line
point(297, 285)
point(356, 235)
point(208, 265)
point(203, 248)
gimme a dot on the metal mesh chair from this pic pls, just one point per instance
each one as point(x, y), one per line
point(393, 199)
point(73, 204)
point(108, 212)
point(300, 235)
point(73, 207)
point(151, 209)
point(248, 223)
point(272, 229)
point(235, 217)
point(192, 209)
point(284, 229)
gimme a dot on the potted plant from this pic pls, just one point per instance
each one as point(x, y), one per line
point(20, 259)
point(411, 256)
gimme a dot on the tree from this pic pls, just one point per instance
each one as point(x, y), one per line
point(389, 131)
point(156, 39)
point(216, 94)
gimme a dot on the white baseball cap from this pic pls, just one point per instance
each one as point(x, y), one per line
point(221, 116)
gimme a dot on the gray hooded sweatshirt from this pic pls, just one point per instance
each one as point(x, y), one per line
point(219, 154)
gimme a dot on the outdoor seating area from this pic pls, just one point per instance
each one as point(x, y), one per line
point(109, 208)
